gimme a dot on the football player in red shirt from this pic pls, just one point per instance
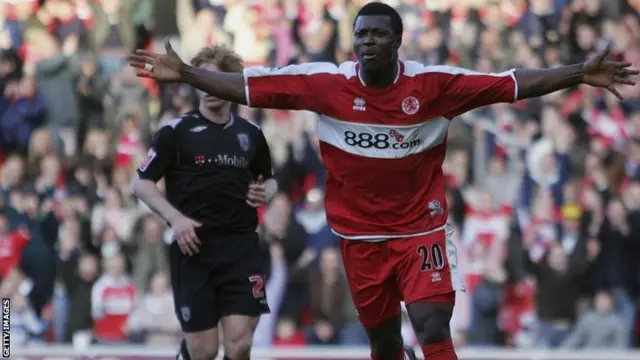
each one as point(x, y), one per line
point(382, 129)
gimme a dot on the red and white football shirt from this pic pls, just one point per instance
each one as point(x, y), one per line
point(383, 148)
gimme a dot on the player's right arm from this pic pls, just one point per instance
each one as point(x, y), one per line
point(158, 162)
point(155, 166)
point(295, 87)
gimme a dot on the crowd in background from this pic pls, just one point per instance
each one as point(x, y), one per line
point(544, 194)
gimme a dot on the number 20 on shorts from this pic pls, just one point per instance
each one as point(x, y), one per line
point(432, 257)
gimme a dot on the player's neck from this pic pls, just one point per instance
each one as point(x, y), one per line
point(221, 116)
point(380, 78)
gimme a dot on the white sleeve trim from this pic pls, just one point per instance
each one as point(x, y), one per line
point(246, 87)
point(512, 73)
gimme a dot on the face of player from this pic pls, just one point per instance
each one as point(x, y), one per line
point(374, 43)
point(211, 103)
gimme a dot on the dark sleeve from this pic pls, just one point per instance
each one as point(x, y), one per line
point(161, 156)
point(261, 162)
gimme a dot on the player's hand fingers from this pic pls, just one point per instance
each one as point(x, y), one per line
point(257, 188)
point(260, 179)
point(195, 224)
point(194, 236)
point(167, 46)
point(615, 92)
point(624, 80)
point(145, 74)
point(254, 204)
point(256, 196)
point(138, 65)
point(147, 53)
point(140, 58)
point(182, 244)
point(191, 244)
point(193, 248)
point(621, 64)
point(628, 72)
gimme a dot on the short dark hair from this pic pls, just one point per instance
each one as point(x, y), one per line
point(378, 8)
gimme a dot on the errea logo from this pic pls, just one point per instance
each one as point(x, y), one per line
point(359, 104)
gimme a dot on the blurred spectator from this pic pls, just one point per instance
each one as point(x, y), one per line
point(558, 289)
point(618, 262)
point(151, 255)
point(288, 334)
point(153, 315)
point(78, 273)
point(281, 227)
point(329, 288)
point(322, 332)
point(314, 220)
point(486, 300)
point(12, 243)
point(600, 328)
point(26, 326)
point(112, 300)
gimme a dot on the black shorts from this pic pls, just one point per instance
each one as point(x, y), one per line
point(225, 278)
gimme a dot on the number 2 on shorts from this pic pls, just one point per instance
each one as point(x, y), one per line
point(431, 257)
point(258, 285)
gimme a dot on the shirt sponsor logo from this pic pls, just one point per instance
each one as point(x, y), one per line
point(389, 140)
point(151, 154)
point(227, 160)
point(222, 160)
point(383, 141)
point(199, 160)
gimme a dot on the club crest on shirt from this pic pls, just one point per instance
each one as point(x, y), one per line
point(410, 105)
point(243, 139)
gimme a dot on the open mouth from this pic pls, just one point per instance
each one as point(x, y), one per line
point(369, 56)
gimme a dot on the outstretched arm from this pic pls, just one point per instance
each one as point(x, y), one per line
point(223, 85)
point(466, 90)
point(170, 68)
point(296, 87)
point(597, 71)
point(539, 82)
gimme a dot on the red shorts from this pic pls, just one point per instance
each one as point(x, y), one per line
point(382, 274)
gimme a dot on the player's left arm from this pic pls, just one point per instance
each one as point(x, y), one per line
point(597, 71)
point(261, 167)
point(465, 90)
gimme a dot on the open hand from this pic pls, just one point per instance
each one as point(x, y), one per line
point(256, 196)
point(184, 229)
point(157, 66)
point(600, 72)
